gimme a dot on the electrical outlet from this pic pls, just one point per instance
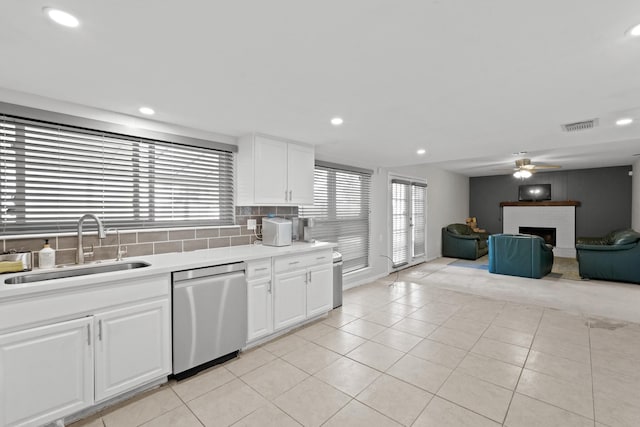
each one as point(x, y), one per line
point(251, 224)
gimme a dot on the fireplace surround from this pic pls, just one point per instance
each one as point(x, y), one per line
point(560, 215)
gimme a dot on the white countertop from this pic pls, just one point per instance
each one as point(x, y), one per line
point(159, 264)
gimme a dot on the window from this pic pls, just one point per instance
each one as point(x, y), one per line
point(341, 211)
point(408, 221)
point(51, 174)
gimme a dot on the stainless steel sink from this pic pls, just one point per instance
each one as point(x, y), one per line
point(73, 272)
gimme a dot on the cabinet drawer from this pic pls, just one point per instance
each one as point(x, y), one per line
point(260, 268)
point(320, 257)
point(295, 262)
point(290, 263)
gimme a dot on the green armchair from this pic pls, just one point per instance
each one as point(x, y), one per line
point(615, 256)
point(459, 241)
point(520, 255)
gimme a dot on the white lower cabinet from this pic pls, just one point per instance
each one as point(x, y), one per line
point(132, 347)
point(52, 371)
point(259, 308)
point(320, 290)
point(303, 287)
point(46, 372)
point(290, 298)
point(285, 291)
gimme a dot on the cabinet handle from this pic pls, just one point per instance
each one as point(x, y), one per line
point(88, 334)
point(306, 278)
point(321, 257)
point(290, 195)
point(309, 276)
point(261, 269)
point(294, 262)
point(285, 196)
point(100, 330)
point(269, 288)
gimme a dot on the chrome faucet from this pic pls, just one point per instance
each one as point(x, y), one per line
point(101, 234)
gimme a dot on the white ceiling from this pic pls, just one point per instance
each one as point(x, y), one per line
point(471, 81)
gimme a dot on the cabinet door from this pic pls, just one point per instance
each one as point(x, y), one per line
point(289, 298)
point(46, 373)
point(300, 178)
point(320, 290)
point(133, 347)
point(260, 308)
point(270, 171)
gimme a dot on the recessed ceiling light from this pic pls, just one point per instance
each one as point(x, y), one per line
point(147, 111)
point(421, 151)
point(337, 121)
point(635, 31)
point(624, 122)
point(61, 17)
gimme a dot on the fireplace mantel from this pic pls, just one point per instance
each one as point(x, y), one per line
point(542, 203)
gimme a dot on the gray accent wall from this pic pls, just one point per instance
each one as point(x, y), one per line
point(604, 193)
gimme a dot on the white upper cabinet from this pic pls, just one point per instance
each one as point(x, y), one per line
point(301, 164)
point(274, 172)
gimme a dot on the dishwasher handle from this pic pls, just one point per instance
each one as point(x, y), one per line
point(207, 281)
point(197, 273)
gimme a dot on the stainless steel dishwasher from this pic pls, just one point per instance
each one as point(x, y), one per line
point(209, 316)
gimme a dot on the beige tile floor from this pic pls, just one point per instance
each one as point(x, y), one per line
point(417, 354)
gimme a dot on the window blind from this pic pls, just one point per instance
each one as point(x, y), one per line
point(340, 207)
point(419, 217)
point(400, 221)
point(51, 174)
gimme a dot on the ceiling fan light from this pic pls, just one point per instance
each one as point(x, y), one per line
point(523, 173)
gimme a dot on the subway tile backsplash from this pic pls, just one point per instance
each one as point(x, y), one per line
point(154, 242)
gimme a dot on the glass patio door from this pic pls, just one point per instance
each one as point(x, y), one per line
point(408, 221)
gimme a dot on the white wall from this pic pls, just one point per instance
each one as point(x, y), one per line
point(35, 101)
point(447, 201)
point(635, 197)
point(447, 192)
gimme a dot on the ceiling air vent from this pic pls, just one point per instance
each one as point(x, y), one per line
point(577, 126)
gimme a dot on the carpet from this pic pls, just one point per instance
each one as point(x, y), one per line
point(563, 268)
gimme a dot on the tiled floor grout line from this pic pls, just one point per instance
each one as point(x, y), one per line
point(593, 393)
point(435, 394)
point(504, 420)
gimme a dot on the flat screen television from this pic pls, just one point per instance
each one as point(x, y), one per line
point(534, 193)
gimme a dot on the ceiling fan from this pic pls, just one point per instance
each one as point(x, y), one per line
point(524, 168)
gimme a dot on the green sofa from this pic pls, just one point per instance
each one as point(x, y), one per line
point(520, 255)
point(459, 241)
point(615, 256)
